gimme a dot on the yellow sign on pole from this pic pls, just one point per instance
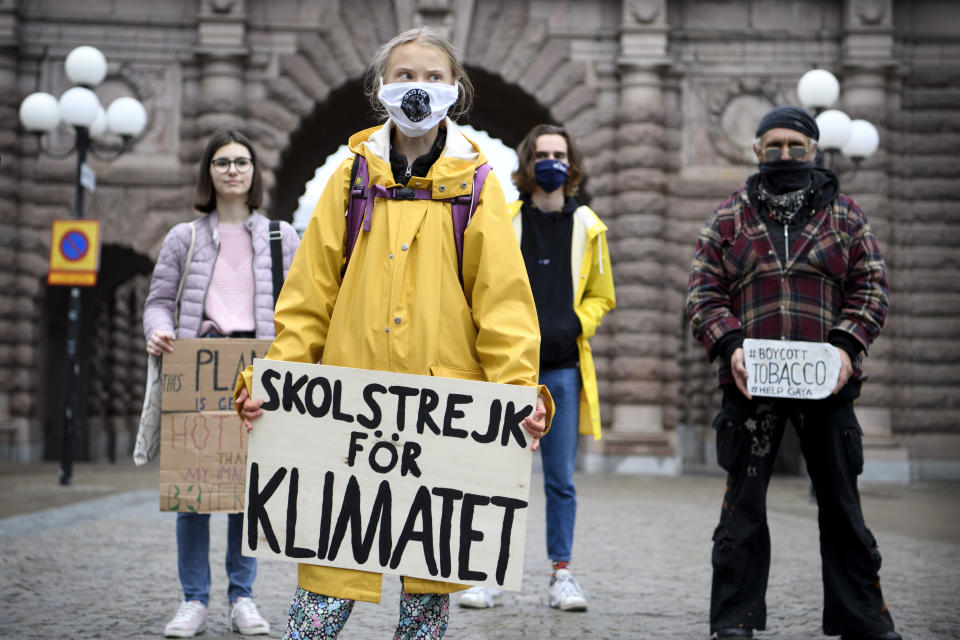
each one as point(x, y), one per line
point(74, 253)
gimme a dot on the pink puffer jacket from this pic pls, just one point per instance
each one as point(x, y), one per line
point(159, 308)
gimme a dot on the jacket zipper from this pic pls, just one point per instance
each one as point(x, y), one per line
point(786, 247)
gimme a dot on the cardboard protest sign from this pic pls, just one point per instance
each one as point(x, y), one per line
point(420, 476)
point(203, 443)
point(790, 369)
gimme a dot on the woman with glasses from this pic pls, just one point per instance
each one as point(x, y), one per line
point(227, 292)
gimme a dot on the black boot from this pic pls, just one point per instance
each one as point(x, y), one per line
point(732, 634)
point(872, 635)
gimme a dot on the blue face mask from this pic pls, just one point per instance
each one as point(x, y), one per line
point(550, 174)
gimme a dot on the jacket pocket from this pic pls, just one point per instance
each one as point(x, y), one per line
point(830, 255)
point(444, 371)
point(730, 425)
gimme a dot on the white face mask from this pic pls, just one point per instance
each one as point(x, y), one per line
point(417, 107)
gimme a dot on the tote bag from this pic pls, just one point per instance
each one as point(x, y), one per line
point(148, 435)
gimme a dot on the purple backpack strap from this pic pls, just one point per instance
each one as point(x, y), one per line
point(362, 196)
point(463, 210)
point(360, 203)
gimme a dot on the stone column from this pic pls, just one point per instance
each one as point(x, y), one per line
point(645, 373)
point(219, 98)
point(16, 356)
point(867, 62)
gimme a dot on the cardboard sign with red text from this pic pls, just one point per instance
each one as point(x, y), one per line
point(203, 443)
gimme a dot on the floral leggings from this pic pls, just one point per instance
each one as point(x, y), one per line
point(313, 616)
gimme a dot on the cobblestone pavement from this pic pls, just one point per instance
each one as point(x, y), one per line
point(104, 566)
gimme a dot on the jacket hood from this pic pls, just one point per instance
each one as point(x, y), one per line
point(589, 220)
point(826, 187)
point(455, 166)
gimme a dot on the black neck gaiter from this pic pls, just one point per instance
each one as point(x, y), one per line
point(782, 176)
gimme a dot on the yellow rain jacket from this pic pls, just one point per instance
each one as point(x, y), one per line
point(400, 306)
point(593, 297)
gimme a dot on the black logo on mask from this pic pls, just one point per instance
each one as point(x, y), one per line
point(416, 104)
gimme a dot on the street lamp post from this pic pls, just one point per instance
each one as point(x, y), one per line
point(80, 108)
point(818, 89)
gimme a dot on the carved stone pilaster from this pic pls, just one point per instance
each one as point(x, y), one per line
point(866, 65)
point(640, 437)
point(222, 51)
point(14, 434)
point(449, 17)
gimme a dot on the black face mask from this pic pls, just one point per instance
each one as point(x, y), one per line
point(783, 176)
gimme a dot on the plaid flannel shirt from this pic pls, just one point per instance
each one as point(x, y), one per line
point(835, 279)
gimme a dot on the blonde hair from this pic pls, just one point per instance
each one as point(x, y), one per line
point(425, 36)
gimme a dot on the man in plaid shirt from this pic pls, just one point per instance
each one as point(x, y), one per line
point(788, 257)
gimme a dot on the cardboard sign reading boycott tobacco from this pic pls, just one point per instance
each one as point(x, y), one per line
point(203, 443)
point(392, 473)
point(790, 369)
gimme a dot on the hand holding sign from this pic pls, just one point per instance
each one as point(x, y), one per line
point(249, 409)
point(536, 423)
point(790, 369)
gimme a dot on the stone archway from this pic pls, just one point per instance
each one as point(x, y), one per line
point(319, 134)
point(313, 99)
point(505, 111)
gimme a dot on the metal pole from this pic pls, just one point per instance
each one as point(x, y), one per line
point(73, 331)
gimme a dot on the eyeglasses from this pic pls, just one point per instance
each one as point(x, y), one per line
point(222, 165)
point(796, 151)
point(544, 155)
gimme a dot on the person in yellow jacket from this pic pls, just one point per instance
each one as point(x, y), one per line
point(565, 252)
point(398, 303)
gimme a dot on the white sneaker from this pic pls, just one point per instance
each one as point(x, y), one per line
point(481, 598)
point(245, 618)
point(565, 593)
point(189, 621)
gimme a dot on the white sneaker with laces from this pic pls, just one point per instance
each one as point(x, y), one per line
point(565, 593)
point(245, 618)
point(481, 598)
point(189, 621)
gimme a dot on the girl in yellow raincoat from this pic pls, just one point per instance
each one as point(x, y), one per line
point(400, 304)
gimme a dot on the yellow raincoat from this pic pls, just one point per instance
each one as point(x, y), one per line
point(400, 306)
point(593, 298)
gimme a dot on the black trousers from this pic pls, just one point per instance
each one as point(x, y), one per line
point(748, 438)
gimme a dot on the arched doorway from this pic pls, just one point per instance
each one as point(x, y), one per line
point(110, 356)
point(501, 109)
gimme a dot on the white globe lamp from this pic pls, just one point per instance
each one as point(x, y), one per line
point(99, 126)
point(818, 88)
point(39, 112)
point(126, 116)
point(78, 106)
point(834, 129)
point(863, 141)
point(86, 65)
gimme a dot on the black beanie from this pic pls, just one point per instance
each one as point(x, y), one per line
point(789, 117)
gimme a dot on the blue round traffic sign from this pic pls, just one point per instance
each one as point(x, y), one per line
point(74, 245)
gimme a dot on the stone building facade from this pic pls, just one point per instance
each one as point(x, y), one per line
point(662, 95)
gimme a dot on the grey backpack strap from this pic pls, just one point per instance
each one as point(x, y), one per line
point(183, 278)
